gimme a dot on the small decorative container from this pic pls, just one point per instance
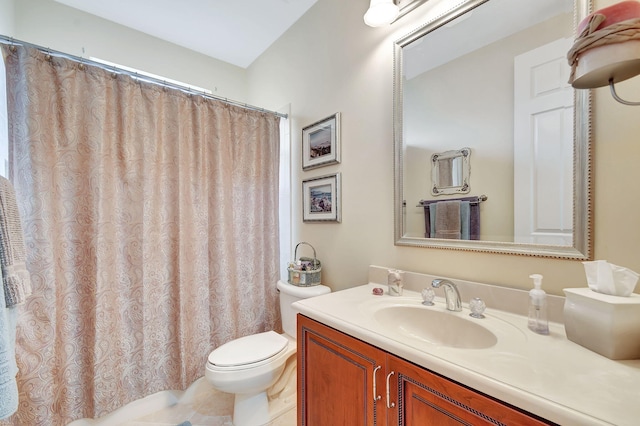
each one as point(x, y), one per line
point(608, 325)
point(395, 281)
point(306, 271)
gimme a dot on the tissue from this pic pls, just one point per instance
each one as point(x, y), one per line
point(607, 278)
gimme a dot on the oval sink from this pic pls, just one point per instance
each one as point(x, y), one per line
point(436, 327)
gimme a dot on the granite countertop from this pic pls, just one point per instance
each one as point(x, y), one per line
point(549, 376)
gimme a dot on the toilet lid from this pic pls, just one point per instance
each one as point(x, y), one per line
point(248, 349)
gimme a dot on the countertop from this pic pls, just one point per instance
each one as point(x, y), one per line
point(549, 376)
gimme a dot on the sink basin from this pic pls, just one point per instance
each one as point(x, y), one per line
point(435, 327)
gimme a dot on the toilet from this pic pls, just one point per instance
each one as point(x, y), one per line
point(250, 365)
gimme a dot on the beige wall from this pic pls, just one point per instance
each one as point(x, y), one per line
point(51, 24)
point(330, 61)
point(7, 8)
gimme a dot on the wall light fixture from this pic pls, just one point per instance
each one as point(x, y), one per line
point(381, 12)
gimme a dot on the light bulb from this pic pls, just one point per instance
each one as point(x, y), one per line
point(381, 12)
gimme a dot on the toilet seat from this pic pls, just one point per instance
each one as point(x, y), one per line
point(248, 352)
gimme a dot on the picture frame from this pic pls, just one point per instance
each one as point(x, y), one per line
point(321, 143)
point(321, 200)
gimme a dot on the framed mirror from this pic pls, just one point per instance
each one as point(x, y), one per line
point(492, 75)
point(450, 172)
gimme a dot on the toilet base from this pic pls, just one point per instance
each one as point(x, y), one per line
point(260, 409)
point(251, 409)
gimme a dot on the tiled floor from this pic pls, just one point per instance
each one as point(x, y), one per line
point(207, 407)
point(201, 404)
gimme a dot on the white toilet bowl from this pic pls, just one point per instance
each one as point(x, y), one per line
point(247, 367)
point(250, 365)
point(259, 361)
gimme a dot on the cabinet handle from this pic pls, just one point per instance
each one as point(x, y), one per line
point(376, 397)
point(393, 403)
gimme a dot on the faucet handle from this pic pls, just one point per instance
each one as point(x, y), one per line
point(477, 307)
point(427, 296)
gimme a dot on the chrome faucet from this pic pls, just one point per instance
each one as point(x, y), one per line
point(451, 294)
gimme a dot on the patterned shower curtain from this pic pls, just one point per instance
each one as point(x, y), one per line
point(151, 224)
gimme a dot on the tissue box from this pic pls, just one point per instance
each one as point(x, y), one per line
point(608, 325)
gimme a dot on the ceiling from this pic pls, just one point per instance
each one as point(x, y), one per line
point(234, 31)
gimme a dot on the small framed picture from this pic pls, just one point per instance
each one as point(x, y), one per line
point(321, 199)
point(321, 143)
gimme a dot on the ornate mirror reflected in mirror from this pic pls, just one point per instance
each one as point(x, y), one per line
point(491, 75)
point(450, 172)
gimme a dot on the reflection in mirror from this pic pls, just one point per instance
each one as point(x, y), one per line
point(498, 86)
point(450, 172)
point(407, 6)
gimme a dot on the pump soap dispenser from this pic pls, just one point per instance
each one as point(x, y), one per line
point(538, 321)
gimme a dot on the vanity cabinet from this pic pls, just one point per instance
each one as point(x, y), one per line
point(337, 375)
point(345, 381)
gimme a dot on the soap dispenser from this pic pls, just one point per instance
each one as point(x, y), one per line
point(538, 306)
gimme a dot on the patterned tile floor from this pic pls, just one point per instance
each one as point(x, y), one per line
point(201, 404)
point(208, 407)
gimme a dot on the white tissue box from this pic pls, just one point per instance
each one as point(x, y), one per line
point(608, 325)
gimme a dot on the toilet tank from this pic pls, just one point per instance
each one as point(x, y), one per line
point(290, 293)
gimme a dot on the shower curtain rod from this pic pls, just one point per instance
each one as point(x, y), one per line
point(13, 41)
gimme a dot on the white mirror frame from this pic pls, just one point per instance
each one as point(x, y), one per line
point(583, 194)
point(464, 171)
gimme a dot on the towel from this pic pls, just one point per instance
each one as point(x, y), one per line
point(469, 218)
point(474, 221)
point(445, 173)
point(8, 367)
point(15, 277)
point(447, 223)
point(430, 220)
point(465, 222)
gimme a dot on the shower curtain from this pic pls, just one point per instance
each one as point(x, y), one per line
point(151, 225)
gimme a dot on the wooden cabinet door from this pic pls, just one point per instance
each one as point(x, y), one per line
point(424, 398)
point(336, 378)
